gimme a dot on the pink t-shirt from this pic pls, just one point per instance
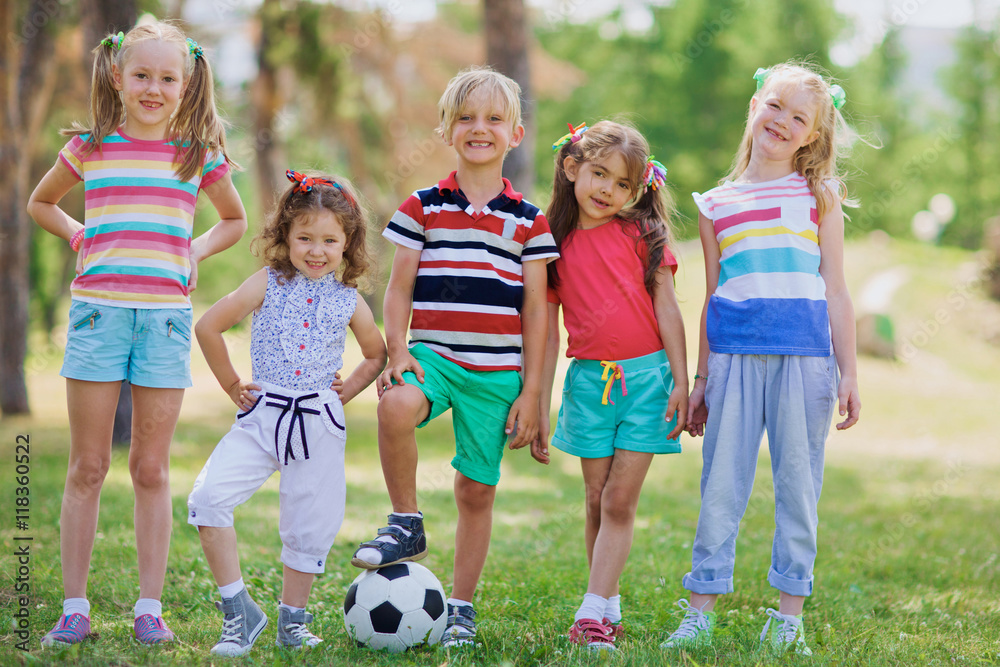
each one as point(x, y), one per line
point(606, 309)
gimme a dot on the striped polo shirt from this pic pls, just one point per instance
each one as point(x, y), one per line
point(771, 298)
point(469, 288)
point(138, 222)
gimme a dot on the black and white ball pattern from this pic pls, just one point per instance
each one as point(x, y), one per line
point(395, 607)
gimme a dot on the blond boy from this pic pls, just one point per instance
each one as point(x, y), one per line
point(469, 266)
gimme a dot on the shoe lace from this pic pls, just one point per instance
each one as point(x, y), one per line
point(787, 633)
point(299, 631)
point(694, 621)
point(232, 629)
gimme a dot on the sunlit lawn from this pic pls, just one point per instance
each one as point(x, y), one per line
point(907, 574)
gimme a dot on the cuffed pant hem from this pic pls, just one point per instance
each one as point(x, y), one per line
point(800, 587)
point(303, 562)
point(715, 587)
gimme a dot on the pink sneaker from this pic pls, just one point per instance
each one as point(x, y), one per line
point(595, 635)
point(151, 629)
point(617, 629)
point(72, 630)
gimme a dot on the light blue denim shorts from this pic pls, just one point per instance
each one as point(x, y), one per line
point(601, 412)
point(149, 347)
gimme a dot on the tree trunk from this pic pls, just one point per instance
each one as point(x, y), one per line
point(27, 51)
point(506, 27)
point(266, 100)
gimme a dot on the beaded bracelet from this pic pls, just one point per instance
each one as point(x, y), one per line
point(699, 376)
point(76, 240)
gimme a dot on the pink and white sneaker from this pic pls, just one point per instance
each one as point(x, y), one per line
point(595, 635)
point(69, 630)
point(151, 629)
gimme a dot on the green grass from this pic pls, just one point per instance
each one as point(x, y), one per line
point(908, 571)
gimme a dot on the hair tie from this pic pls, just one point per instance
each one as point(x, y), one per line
point(760, 76)
point(304, 184)
point(655, 175)
point(838, 95)
point(836, 92)
point(114, 41)
point(194, 49)
point(575, 134)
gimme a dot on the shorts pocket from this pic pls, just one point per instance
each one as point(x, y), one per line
point(87, 322)
point(176, 327)
point(332, 414)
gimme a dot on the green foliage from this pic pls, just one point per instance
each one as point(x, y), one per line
point(686, 82)
point(974, 82)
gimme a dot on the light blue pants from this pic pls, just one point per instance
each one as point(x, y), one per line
point(793, 398)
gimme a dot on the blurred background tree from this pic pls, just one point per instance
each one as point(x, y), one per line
point(351, 87)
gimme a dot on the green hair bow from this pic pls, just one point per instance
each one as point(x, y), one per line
point(836, 92)
point(114, 41)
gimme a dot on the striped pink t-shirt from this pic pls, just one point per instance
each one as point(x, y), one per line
point(139, 221)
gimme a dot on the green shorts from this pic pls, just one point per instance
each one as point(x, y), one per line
point(632, 417)
point(480, 402)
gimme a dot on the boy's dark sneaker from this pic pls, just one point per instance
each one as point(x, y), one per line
point(461, 627)
point(400, 548)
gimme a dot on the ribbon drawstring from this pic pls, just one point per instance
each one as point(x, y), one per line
point(288, 404)
point(616, 373)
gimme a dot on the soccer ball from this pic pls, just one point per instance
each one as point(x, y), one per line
point(395, 607)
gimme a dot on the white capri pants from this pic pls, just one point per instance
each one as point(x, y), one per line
point(303, 435)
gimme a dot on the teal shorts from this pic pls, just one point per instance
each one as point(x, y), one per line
point(149, 347)
point(480, 402)
point(632, 417)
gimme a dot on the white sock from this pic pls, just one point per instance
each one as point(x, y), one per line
point(290, 608)
point(145, 606)
point(76, 606)
point(613, 611)
point(374, 556)
point(229, 591)
point(455, 602)
point(592, 607)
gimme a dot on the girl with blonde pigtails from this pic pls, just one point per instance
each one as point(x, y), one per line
point(155, 141)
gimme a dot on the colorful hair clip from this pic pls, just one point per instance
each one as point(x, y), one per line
point(304, 184)
point(655, 175)
point(575, 134)
point(114, 41)
point(194, 49)
point(839, 96)
point(760, 76)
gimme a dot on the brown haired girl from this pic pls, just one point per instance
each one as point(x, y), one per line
point(625, 394)
point(291, 414)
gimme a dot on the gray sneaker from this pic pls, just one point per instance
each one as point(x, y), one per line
point(243, 623)
point(787, 635)
point(461, 627)
point(292, 630)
